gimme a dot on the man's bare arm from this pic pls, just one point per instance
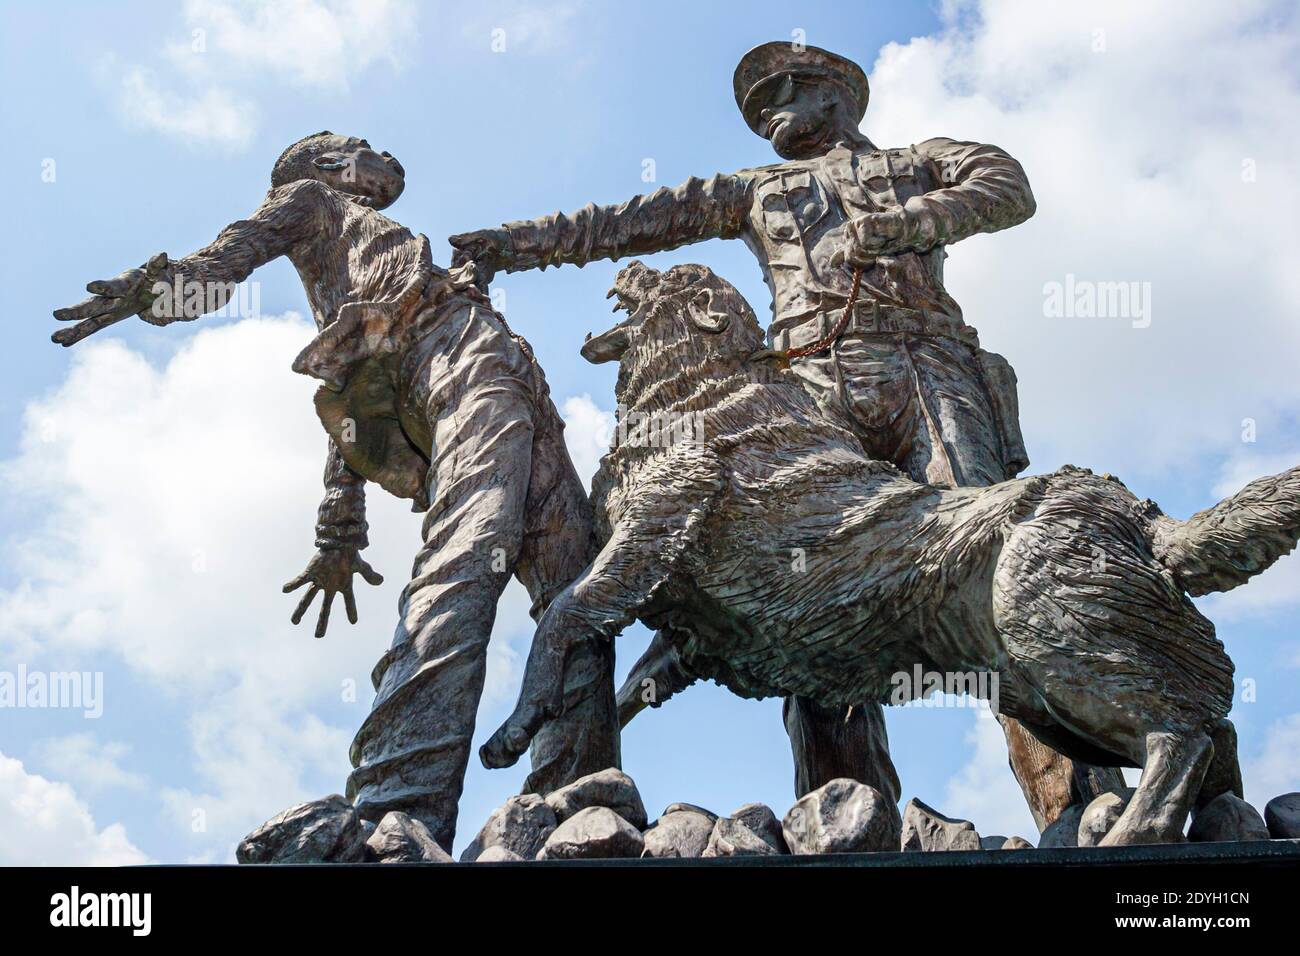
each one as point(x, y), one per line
point(340, 535)
point(289, 215)
point(696, 210)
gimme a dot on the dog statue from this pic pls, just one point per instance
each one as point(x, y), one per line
point(778, 559)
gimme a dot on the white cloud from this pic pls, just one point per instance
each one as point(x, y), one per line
point(1136, 154)
point(172, 502)
point(985, 790)
point(89, 763)
point(213, 115)
point(588, 429)
point(536, 28)
point(43, 823)
point(317, 43)
point(234, 52)
point(1274, 767)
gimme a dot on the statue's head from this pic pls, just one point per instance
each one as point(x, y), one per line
point(800, 98)
point(345, 163)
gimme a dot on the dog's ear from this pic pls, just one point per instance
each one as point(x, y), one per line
point(701, 311)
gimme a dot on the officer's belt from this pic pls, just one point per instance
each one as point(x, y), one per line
point(868, 318)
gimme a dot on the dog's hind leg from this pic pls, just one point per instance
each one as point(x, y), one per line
point(1224, 775)
point(1171, 779)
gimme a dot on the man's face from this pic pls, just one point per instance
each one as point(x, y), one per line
point(351, 166)
point(798, 118)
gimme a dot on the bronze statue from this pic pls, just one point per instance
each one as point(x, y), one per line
point(429, 394)
point(851, 239)
point(1109, 662)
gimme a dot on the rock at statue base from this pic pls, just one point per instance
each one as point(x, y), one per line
point(688, 807)
point(730, 837)
point(594, 833)
point(499, 854)
point(679, 833)
point(610, 788)
point(1064, 830)
point(844, 816)
point(401, 838)
point(760, 819)
point(926, 830)
point(1282, 815)
point(1100, 815)
point(1227, 818)
point(321, 831)
point(1017, 843)
point(993, 842)
point(521, 825)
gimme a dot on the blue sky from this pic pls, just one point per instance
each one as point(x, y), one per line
point(159, 485)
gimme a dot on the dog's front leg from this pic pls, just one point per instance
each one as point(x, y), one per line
point(662, 522)
point(597, 605)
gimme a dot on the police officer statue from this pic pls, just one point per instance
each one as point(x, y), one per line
point(851, 239)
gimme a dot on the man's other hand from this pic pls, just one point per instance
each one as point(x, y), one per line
point(330, 571)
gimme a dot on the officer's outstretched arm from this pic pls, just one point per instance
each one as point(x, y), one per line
point(696, 210)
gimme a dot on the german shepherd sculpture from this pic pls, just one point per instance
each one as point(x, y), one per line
point(779, 559)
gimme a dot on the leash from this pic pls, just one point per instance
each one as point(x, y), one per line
point(821, 345)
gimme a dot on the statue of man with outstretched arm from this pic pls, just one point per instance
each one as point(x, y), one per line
point(429, 394)
point(851, 239)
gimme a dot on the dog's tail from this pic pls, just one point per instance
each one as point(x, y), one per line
point(1224, 546)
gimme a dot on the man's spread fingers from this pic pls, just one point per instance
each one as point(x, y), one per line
point(350, 602)
point(115, 286)
point(74, 334)
point(94, 306)
point(297, 582)
point(304, 603)
point(370, 574)
point(323, 621)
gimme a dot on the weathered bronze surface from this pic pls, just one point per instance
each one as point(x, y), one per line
point(1105, 659)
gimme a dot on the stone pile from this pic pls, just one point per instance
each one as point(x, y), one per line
point(602, 816)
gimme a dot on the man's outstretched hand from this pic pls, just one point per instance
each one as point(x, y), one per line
point(112, 300)
point(331, 570)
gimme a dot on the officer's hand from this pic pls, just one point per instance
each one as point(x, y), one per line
point(875, 234)
point(112, 300)
point(331, 570)
point(486, 248)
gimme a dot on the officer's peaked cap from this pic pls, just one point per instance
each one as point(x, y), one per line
point(759, 70)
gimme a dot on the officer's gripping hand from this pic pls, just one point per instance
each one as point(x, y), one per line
point(330, 571)
point(112, 300)
point(875, 234)
point(488, 249)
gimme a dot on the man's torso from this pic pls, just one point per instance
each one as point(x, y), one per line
point(798, 222)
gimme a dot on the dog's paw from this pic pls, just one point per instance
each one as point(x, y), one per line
point(511, 740)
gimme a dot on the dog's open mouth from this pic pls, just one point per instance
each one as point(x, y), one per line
point(610, 345)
